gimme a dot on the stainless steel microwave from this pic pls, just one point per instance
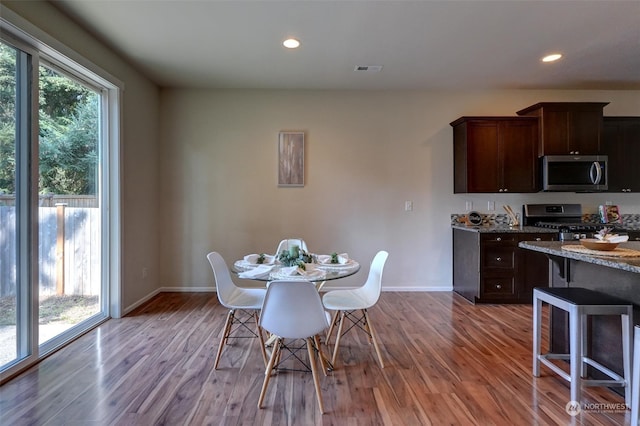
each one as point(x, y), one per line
point(575, 173)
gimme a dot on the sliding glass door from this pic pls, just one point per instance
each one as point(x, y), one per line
point(9, 63)
point(70, 208)
point(54, 216)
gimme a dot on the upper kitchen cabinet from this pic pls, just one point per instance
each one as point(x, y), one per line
point(621, 142)
point(568, 128)
point(495, 154)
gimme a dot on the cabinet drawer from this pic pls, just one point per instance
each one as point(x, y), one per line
point(502, 239)
point(493, 287)
point(538, 237)
point(498, 257)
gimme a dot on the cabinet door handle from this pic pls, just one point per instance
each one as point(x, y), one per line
point(499, 259)
point(498, 286)
point(498, 239)
point(538, 239)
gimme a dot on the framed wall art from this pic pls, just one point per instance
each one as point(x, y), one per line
point(291, 159)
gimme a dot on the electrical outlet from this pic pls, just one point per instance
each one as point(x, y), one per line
point(468, 205)
point(408, 206)
point(491, 205)
point(145, 272)
point(608, 203)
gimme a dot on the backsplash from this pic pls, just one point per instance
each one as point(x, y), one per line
point(628, 220)
point(487, 219)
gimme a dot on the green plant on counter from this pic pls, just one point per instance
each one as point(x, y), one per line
point(334, 257)
point(261, 259)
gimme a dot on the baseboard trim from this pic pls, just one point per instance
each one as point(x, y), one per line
point(324, 289)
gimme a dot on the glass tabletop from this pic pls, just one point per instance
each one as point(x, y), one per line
point(315, 272)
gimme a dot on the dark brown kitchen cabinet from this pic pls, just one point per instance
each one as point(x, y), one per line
point(568, 128)
point(621, 143)
point(495, 154)
point(491, 268)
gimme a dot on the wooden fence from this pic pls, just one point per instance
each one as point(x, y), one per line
point(69, 250)
point(50, 200)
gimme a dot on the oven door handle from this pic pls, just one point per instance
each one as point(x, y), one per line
point(595, 167)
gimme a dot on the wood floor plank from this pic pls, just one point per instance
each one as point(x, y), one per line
point(446, 362)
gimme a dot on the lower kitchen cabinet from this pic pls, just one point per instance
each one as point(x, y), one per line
point(491, 268)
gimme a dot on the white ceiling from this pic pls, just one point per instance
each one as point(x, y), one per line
point(422, 44)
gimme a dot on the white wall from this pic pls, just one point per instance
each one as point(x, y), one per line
point(366, 154)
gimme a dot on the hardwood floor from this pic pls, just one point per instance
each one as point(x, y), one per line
point(446, 362)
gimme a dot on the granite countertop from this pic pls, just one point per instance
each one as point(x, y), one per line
point(631, 264)
point(505, 228)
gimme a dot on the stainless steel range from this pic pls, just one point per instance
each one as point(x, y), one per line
point(566, 218)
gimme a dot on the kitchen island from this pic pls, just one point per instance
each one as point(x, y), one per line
point(616, 276)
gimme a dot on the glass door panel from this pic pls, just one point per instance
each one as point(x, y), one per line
point(70, 216)
point(8, 218)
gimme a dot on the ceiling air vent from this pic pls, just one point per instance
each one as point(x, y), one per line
point(368, 68)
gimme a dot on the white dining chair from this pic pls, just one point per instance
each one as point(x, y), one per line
point(243, 304)
point(293, 311)
point(353, 305)
point(290, 242)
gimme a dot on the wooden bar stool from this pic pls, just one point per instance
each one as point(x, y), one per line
point(635, 382)
point(580, 303)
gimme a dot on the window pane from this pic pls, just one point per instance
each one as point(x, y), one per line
point(70, 219)
point(8, 220)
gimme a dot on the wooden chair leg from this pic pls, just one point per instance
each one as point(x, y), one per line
point(321, 357)
point(261, 339)
point(373, 337)
point(225, 336)
point(314, 371)
point(338, 336)
point(268, 370)
point(331, 326)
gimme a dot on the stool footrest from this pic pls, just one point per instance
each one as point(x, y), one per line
point(615, 376)
point(543, 359)
point(615, 379)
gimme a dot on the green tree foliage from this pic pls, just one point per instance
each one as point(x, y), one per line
point(7, 119)
point(69, 130)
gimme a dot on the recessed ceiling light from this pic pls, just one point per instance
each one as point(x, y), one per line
point(552, 58)
point(291, 43)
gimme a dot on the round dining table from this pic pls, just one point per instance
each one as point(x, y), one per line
point(318, 273)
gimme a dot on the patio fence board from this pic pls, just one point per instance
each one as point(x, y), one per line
point(82, 250)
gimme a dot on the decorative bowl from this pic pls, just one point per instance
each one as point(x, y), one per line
point(595, 244)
